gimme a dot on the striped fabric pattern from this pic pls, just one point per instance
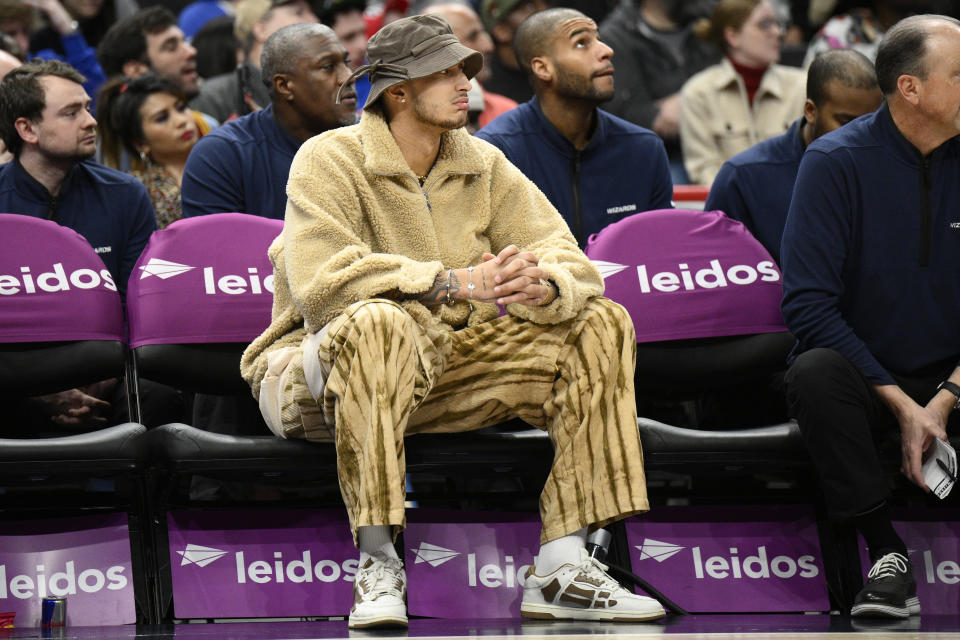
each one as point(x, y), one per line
point(387, 380)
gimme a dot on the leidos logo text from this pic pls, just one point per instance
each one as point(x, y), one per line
point(61, 583)
point(719, 567)
point(213, 284)
point(56, 280)
point(711, 277)
point(302, 570)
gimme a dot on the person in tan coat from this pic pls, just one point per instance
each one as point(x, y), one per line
point(403, 236)
point(745, 98)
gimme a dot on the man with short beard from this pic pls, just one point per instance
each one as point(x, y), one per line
point(595, 168)
point(402, 236)
point(46, 123)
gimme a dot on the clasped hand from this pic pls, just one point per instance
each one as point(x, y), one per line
point(512, 276)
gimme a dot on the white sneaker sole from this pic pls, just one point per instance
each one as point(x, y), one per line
point(382, 620)
point(911, 608)
point(546, 611)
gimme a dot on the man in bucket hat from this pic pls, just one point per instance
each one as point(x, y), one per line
point(402, 236)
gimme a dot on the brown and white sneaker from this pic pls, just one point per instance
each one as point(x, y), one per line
point(379, 594)
point(584, 591)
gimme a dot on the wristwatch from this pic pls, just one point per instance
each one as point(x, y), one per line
point(952, 388)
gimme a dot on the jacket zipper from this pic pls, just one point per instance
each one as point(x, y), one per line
point(52, 208)
point(577, 207)
point(925, 217)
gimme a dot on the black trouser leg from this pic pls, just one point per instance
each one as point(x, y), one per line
point(838, 410)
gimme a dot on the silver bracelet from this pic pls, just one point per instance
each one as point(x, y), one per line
point(449, 287)
point(470, 286)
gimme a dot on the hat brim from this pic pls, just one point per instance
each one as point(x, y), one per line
point(444, 58)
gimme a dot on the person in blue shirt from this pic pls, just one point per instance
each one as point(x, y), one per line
point(243, 165)
point(754, 187)
point(46, 123)
point(594, 168)
point(871, 259)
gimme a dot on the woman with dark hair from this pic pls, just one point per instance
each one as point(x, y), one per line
point(747, 97)
point(148, 118)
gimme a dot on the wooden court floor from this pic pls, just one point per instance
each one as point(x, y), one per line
point(697, 627)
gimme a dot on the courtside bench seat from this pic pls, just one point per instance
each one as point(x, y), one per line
point(185, 449)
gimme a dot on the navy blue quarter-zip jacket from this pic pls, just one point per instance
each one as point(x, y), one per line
point(622, 171)
point(107, 207)
point(871, 250)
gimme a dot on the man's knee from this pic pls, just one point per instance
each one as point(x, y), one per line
point(813, 373)
point(610, 320)
point(375, 314)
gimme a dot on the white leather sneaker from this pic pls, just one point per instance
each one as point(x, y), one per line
point(379, 595)
point(584, 591)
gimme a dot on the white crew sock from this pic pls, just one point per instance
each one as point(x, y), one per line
point(565, 550)
point(376, 541)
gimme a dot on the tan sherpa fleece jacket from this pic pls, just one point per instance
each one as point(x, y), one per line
point(359, 225)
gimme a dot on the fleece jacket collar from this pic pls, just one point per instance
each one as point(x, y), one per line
point(383, 155)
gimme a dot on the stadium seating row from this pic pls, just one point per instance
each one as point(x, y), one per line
point(200, 292)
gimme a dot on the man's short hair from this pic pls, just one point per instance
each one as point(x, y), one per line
point(283, 50)
point(850, 68)
point(328, 10)
point(16, 10)
point(903, 50)
point(535, 34)
point(22, 96)
point(126, 40)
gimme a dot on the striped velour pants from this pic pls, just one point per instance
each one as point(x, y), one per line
point(386, 380)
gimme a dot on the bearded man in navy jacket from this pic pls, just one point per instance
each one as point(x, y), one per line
point(594, 168)
point(871, 265)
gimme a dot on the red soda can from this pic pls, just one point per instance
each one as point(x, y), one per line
point(53, 612)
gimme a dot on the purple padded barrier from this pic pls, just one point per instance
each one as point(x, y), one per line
point(688, 274)
point(53, 286)
point(204, 279)
point(85, 559)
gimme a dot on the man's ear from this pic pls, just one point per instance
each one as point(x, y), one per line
point(397, 93)
point(283, 86)
point(134, 68)
point(27, 130)
point(542, 68)
point(910, 88)
point(809, 111)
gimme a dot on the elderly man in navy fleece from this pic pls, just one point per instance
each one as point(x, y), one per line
point(871, 266)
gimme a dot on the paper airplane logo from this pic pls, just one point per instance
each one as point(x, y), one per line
point(163, 269)
point(433, 554)
point(608, 269)
point(657, 550)
point(200, 556)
